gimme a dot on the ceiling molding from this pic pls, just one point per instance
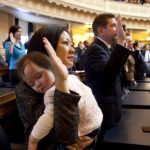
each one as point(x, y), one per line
point(81, 11)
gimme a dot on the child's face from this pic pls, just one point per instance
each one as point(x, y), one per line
point(38, 78)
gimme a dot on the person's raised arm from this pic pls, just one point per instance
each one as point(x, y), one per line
point(120, 33)
point(59, 69)
point(12, 42)
point(66, 111)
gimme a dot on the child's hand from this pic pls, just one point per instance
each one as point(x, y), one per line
point(59, 69)
point(81, 143)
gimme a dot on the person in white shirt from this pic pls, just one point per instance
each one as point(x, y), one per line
point(146, 49)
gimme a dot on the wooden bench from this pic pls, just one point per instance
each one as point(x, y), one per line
point(137, 99)
point(128, 134)
point(141, 86)
point(7, 101)
point(147, 80)
point(9, 117)
point(4, 73)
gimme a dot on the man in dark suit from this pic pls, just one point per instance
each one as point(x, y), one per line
point(103, 66)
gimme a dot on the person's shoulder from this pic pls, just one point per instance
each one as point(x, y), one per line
point(6, 43)
point(72, 78)
point(94, 47)
point(22, 86)
point(73, 81)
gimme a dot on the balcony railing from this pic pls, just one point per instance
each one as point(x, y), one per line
point(76, 10)
point(128, 10)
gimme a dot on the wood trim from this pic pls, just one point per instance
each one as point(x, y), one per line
point(7, 103)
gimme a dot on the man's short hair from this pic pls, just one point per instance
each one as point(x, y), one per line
point(101, 20)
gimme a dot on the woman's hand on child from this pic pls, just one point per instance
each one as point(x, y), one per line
point(81, 143)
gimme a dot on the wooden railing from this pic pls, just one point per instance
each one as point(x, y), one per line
point(4, 73)
point(7, 101)
point(3, 70)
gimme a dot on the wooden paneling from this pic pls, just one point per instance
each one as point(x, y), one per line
point(7, 101)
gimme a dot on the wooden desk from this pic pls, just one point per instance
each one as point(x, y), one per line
point(137, 99)
point(7, 101)
point(4, 70)
point(141, 86)
point(4, 73)
point(9, 116)
point(147, 80)
point(129, 130)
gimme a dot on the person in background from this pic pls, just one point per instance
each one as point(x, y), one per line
point(146, 54)
point(129, 65)
point(86, 44)
point(125, 88)
point(104, 68)
point(30, 103)
point(80, 50)
point(90, 114)
point(14, 50)
point(140, 66)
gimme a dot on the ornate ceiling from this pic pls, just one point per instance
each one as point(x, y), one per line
point(84, 11)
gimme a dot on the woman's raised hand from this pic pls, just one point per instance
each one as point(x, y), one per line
point(59, 69)
point(12, 39)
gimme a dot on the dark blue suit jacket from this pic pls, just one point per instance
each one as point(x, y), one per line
point(103, 69)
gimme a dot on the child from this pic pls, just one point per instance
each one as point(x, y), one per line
point(36, 70)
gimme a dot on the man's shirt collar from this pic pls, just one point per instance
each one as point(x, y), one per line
point(106, 43)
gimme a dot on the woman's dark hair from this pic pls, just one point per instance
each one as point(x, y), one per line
point(35, 57)
point(52, 33)
point(13, 29)
point(101, 21)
